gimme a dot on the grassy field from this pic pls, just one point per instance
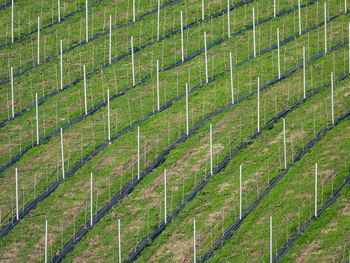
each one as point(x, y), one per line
point(163, 132)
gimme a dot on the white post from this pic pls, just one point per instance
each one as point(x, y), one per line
point(91, 199)
point(194, 241)
point(37, 118)
point(325, 27)
point(231, 76)
point(274, 8)
point(62, 153)
point(349, 45)
point(12, 93)
point(202, 9)
point(182, 38)
point(108, 116)
point(138, 152)
point(45, 241)
point(17, 207)
point(132, 61)
point(284, 144)
point(38, 40)
point(133, 11)
point(85, 91)
point(187, 128)
point(61, 63)
point(299, 15)
point(304, 71)
point(211, 149)
point(228, 20)
point(240, 192)
point(258, 106)
point(279, 53)
point(254, 43)
point(206, 57)
point(165, 198)
point(59, 11)
point(158, 21)
point(315, 189)
point(87, 20)
point(332, 96)
point(110, 39)
point(12, 17)
point(119, 243)
point(271, 249)
point(158, 99)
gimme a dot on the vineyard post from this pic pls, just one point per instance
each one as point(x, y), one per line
point(211, 149)
point(61, 63)
point(315, 189)
point(158, 99)
point(12, 18)
point(158, 20)
point(165, 198)
point(37, 118)
point(284, 144)
point(133, 11)
point(12, 93)
point(345, 7)
point(187, 128)
point(119, 243)
point(278, 53)
point(240, 192)
point(231, 76)
point(325, 27)
point(254, 43)
point(85, 91)
point(182, 38)
point(87, 20)
point(91, 199)
point(332, 96)
point(38, 40)
point(17, 207)
point(304, 71)
point(108, 116)
point(194, 241)
point(274, 8)
point(62, 153)
point(138, 152)
point(206, 57)
point(110, 39)
point(299, 15)
point(132, 61)
point(349, 46)
point(228, 20)
point(271, 252)
point(45, 241)
point(202, 9)
point(258, 105)
point(59, 11)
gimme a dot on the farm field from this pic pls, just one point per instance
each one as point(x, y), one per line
point(174, 131)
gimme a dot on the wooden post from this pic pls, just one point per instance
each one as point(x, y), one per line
point(85, 91)
point(158, 21)
point(325, 28)
point(274, 8)
point(316, 190)
point(182, 38)
point(62, 153)
point(194, 242)
point(279, 53)
point(304, 71)
point(231, 77)
point(258, 106)
point(187, 128)
point(12, 18)
point(108, 116)
point(59, 11)
point(228, 20)
point(299, 15)
point(110, 39)
point(87, 20)
point(138, 153)
point(91, 199)
point(158, 99)
point(271, 237)
point(332, 96)
point(132, 61)
point(284, 143)
point(240, 192)
point(38, 61)
point(12, 93)
point(17, 206)
point(211, 149)
point(37, 119)
point(133, 11)
point(254, 43)
point(45, 241)
point(165, 198)
point(61, 63)
point(206, 57)
point(202, 9)
point(119, 243)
